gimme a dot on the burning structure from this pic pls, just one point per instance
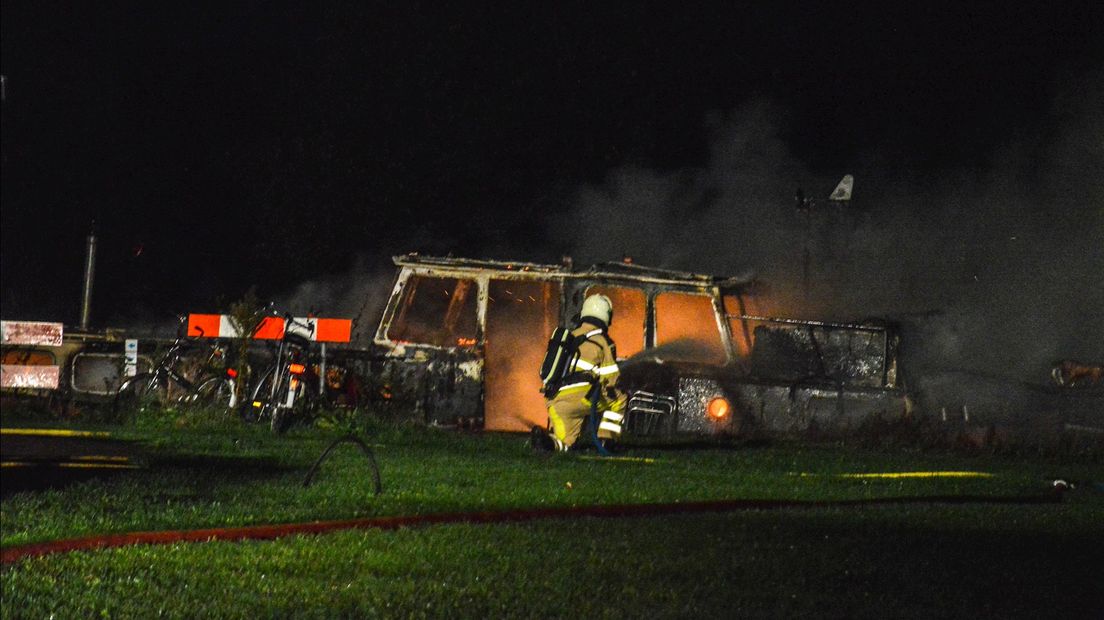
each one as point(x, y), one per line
point(462, 340)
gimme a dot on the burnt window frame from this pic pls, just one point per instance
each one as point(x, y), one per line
point(398, 294)
point(649, 314)
point(720, 319)
point(576, 292)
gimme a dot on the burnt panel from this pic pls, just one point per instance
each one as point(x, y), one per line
point(521, 316)
point(808, 353)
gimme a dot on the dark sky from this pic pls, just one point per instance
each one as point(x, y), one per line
point(271, 144)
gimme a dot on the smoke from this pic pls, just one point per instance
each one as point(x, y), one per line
point(995, 271)
point(359, 293)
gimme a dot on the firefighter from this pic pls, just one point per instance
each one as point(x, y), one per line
point(591, 376)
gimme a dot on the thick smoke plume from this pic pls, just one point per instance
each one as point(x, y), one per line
point(997, 272)
point(994, 274)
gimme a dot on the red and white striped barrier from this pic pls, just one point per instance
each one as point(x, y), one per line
point(271, 328)
point(29, 334)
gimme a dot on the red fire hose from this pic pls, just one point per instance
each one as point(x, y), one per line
point(266, 532)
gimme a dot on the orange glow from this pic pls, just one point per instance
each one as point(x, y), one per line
point(743, 332)
point(628, 317)
point(688, 324)
point(517, 334)
point(17, 357)
point(297, 369)
point(718, 408)
point(465, 342)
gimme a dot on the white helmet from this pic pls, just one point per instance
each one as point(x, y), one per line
point(598, 307)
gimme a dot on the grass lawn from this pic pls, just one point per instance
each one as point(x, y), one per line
point(909, 560)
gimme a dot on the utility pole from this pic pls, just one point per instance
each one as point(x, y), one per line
point(89, 276)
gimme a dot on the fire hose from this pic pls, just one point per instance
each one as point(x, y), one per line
point(595, 395)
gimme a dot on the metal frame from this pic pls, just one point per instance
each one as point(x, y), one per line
point(650, 281)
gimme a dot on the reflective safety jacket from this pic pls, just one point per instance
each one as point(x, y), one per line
point(596, 360)
point(593, 372)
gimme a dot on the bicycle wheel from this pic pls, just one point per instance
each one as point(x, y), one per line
point(257, 407)
point(302, 412)
point(139, 393)
point(215, 392)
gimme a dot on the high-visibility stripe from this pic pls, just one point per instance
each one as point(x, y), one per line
point(585, 366)
point(272, 328)
point(227, 328)
point(333, 330)
point(612, 416)
point(573, 386)
point(612, 427)
point(204, 325)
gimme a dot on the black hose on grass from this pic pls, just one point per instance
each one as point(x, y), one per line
point(363, 448)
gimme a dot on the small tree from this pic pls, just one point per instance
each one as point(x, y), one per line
point(246, 314)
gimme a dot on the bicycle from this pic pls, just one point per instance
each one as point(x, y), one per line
point(168, 383)
point(288, 391)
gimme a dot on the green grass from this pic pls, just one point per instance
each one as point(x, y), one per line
point(922, 562)
point(914, 560)
point(245, 475)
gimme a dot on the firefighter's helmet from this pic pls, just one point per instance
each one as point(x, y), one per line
point(598, 307)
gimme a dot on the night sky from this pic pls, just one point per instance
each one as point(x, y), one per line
point(273, 145)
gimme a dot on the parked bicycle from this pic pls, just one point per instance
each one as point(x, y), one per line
point(289, 391)
point(181, 376)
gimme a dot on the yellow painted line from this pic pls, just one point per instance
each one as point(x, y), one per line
point(7, 464)
point(907, 474)
point(52, 432)
point(626, 459)
point(122, 459)
point(96, 466)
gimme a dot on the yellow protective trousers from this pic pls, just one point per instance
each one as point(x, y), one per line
point(569, 409)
